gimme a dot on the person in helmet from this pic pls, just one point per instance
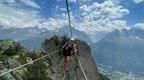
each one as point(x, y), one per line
point(71, 48)
point(75, 51)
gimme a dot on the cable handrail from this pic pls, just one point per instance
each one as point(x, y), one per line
point(69, 17)
point(29, 63)
point(84, 73)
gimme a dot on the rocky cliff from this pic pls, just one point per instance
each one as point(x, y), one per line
point(85, 56)
point(12, 55)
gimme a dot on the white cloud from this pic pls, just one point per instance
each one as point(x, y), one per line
point(82, 2)
point(21, 18)
point(53, 23)
point(7, 1)
point(139, 25)
point(138, 1)
point(11, 1)
point(13, 17)
point(30, 3)
point(101, 26)
point(74, 1)
point(104, 16)
point(62, 9)
point(58, 9)
point(107, 9)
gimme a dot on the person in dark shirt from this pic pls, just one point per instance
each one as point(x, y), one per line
point(71, 48)
point(67, 56)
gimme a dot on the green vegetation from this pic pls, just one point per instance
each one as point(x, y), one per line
point(10, 52)
point(36, 71)
point(3, 57)
point(5, 50)
point(103, 77)
point(9, 47)
point(6, 42)
point(60, 40)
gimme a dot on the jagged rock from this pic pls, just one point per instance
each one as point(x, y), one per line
point(28, 59)
point(6, 76)
point(58, 61)
point(1, 65)
point(13, 63)
point(49, 68)
point(16, 56)
point(1, 62)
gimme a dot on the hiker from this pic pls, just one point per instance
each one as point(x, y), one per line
point(75, 51)
point(71, 48)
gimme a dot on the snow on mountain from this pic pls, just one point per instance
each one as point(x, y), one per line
point(32, 37)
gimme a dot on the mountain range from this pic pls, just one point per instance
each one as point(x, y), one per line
point(122, 50)
point(31, 37)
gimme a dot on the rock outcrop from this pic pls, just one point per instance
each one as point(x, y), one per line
point(49, 68)
point(58, 60)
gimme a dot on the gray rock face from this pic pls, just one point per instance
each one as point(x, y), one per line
point(49, 68)
point(87, 61)
point(6, 77)
point(10, 64)
point(58, 62)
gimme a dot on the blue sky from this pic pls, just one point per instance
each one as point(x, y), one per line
point(136, 9)
point(89, 16)
point(136, 14)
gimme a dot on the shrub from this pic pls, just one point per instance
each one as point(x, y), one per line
point(10, 52)
point(103, 77)
point(36, 71)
